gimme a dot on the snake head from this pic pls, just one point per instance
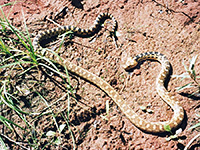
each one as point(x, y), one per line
point(130, 64)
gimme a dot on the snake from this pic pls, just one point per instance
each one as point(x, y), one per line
point(142, 124)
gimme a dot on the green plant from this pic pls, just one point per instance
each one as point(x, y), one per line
point(172, 136)
point(191, 74)
point(17, 55)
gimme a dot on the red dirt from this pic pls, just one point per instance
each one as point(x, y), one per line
point(172, 28)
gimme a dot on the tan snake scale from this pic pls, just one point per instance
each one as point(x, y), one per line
point(145, 125)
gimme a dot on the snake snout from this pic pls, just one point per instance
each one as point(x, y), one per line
point(130, 64)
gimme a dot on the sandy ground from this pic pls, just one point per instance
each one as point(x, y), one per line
point(169, 27)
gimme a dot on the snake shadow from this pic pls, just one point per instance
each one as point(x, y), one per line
point(194, 97)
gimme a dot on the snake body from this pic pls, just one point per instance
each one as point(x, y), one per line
point(76, 30)
point(158, 127)
point(147, 126)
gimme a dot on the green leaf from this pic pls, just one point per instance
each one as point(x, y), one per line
point(183, 75)
point(185, 86)
point(51, 133)
point(57, 141)
point(193, 75)
point(185, 66)
point(61, 127)
point(192, 62)
point(9, 121)
point(2, 144)
point(167, 128)
point(194, 126)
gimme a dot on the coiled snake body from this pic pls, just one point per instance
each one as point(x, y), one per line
point(151, 127)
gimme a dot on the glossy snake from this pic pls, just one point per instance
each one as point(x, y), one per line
point(152, 127)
